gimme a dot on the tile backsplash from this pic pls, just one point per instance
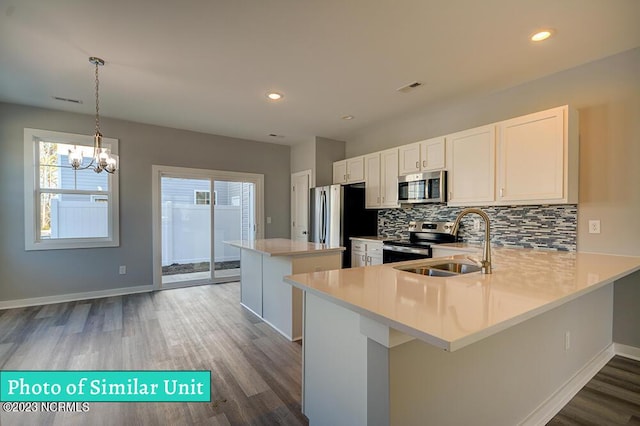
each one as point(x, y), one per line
point(545, 227)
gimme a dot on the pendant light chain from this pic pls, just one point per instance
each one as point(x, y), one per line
point(102, 159)
point(97, 99)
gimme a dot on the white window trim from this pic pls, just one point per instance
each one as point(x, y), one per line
point(32, 242)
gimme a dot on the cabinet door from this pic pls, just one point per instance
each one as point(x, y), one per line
point(409, 159)
point(432, 153)
point(372, 181)
point(355, 169)
point(389, 177)
point(471, 164)
point(340, 171)
point(358, 254)
point(374, 253)
point(531, 162)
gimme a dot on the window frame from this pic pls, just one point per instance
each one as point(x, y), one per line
point(32, 192)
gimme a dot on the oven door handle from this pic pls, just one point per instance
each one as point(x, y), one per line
point(402, 249)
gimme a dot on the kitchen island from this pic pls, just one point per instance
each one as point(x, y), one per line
point(499, 349)
point(263, 264)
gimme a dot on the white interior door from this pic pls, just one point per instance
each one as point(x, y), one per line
point(300, 205)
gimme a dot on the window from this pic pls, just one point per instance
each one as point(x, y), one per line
point(66, 208)
point(202, 197)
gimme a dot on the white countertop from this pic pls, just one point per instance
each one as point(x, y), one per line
point(453, 312)
point(284, 247)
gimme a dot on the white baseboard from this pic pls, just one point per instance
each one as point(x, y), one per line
point(549, 408)
point(627, 351)
point(72, 297)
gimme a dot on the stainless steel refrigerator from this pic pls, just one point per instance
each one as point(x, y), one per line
point(337, 213)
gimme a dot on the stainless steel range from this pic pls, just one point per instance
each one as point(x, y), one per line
point(422, 235)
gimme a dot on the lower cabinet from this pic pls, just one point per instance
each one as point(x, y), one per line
point(365, 252)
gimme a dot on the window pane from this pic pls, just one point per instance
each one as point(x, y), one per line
point(73, 216)
point(54, 155)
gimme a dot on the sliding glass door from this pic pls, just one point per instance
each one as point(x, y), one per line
point(195, 213)
point(186, 230)
point(234, 219)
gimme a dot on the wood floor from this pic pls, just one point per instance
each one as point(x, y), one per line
point(612, 397)
point(256, 373)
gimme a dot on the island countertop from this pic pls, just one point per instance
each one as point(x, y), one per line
point(284, 247)
point(453, 312)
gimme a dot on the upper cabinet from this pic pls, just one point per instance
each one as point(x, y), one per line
point(471, 166)
point(350, 170)
point(531, 159)
point(389, 177)
point(381, 179)
point(372, 190)
point(422, 156)
point(537, 158)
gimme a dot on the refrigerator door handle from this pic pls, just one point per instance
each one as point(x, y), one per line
point(323, 214)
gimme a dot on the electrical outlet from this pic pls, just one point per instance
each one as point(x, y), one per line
point(476, 224)
point(268, 219)
point(594, 226)
point(567, 340)
point(122, 270)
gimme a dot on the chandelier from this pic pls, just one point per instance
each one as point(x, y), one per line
point(102, 158)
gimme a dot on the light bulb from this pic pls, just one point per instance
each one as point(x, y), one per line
point(75, 158)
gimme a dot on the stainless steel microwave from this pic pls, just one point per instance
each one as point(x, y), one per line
point(429, 187)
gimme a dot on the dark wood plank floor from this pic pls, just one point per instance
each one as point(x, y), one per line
point(612, 397)
point(256, 373)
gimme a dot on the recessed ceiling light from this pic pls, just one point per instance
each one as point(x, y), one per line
point(541, 35)
point(347, 117)
point(275, 96)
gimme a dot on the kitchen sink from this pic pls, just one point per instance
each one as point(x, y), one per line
point(440, 269)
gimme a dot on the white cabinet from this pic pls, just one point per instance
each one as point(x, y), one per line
point(422, 156)
point(432, 154)
point(381, 179)
point(350, 170)
point(471, 166)
point(372, 190)
point(537, 158)
point(365, 252)
point(389, 178)
point(409, 159)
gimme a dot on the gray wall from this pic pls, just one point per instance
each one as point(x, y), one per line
point(54, 272)
point(606, 94)
point(327, 151)
point(303, 157)
point(318, 156)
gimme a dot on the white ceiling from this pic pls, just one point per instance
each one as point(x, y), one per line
point(206, 65)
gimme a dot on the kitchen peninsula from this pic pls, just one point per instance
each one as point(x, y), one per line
point(414, 349)
point(263, 264)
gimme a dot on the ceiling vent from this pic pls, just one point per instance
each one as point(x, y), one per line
point(409, 87)
point(73, 101)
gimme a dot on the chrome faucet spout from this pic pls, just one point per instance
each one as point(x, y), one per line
point(486, 248)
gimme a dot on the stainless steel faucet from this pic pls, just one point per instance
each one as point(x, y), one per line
point(485, 263)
